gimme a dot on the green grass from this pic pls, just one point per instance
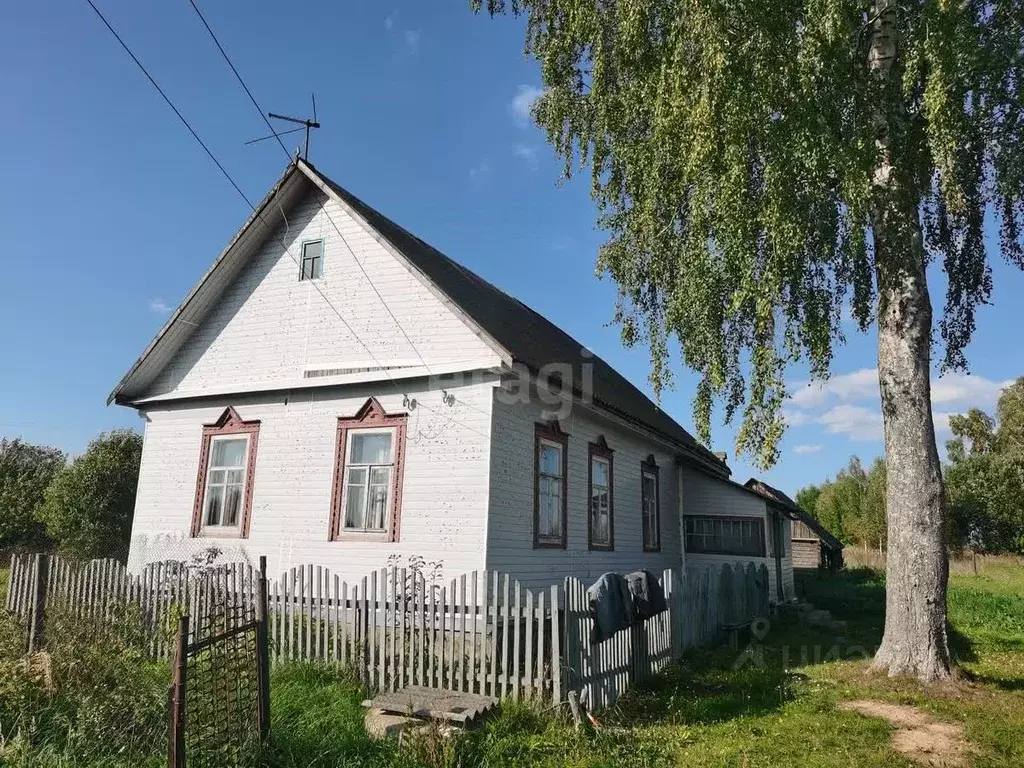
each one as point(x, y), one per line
point(701, 711)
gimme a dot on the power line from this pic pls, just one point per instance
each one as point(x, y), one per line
point(169, 102)
point(237, 76)
point(259, 213)
point(330, 218)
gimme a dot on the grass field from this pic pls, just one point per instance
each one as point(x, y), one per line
point(703, 711)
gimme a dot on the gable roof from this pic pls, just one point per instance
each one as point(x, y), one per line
point(799, 513)
point(522, 334)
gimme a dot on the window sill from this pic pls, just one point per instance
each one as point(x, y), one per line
point(375, 536)
point(602, 547)
point(549, 545)
point(214, 534)
point(653, 549)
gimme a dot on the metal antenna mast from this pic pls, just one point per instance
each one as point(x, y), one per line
point(306, 123)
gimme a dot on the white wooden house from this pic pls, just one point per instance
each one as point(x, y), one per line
point(336, 391)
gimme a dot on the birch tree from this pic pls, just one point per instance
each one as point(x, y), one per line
point(758, 166)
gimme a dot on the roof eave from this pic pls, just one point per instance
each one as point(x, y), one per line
point(115, 395)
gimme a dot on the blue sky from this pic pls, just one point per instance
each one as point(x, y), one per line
point(111, 211)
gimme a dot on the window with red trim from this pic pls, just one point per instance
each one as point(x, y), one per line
point(650, 505)
point(601, 519)
point(367, 495)
point(224, 485)
point(550, 486)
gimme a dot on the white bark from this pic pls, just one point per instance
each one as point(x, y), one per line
point(914, 641)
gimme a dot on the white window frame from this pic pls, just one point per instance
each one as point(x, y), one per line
point(389, 499)
point(220, 528)
point(655, 515)
point(594, 542)
point(559, 537)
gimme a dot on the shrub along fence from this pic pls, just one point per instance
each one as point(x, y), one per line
point(481, 633)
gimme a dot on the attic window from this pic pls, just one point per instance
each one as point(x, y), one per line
point(312, 260)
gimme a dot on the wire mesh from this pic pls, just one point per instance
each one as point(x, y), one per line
point(222, 693)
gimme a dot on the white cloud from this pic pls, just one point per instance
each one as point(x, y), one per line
point(412, 39)
point(160, 307)
point(967, 390)
point(389, 21)
point(525, 153)
point(857, 385)
point(795, 418)
point(853, 421)
point(523, 102)
point(807, 448)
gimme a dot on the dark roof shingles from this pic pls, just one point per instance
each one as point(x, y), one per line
point(529, 337)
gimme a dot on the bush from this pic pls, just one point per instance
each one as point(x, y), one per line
point(25, 473)
point(89, 505)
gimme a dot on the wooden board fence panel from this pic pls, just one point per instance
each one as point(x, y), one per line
point(481, 632)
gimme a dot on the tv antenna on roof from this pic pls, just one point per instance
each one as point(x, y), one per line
point(305, 124)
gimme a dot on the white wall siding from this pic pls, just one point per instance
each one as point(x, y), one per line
point(269, 326)
point(445, 490)
point(510, 533)
point(705, 495)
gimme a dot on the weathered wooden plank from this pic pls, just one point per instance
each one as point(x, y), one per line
point(475, 681)
point(517, 641)
point(541, 626)
point(556, 648)
point(492, 602)
point(506, 631)
point(444, 670)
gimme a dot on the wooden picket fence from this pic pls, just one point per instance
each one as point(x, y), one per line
point(701, 602)
point(480, 633)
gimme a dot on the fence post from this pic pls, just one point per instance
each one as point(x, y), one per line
point(40, 583)
point(176, 756)
point(263, 654)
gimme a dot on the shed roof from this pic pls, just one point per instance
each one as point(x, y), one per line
point(774, 494)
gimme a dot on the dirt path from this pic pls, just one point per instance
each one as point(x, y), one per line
point(918, 735)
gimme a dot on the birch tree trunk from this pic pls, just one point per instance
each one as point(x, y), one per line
point(917, 570)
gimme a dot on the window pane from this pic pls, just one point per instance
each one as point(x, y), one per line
point(229, 453)
point(357, 475)
point(550, 460)
point(217, 477)
point(378, 507)
point(371, 448)
point(234, 476)
point(355, 506)
point(312, 250)
point(214, 503)
point(599, 472)
point(232, 504)
point(380, 476)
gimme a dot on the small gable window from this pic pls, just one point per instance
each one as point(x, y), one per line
point(227, 458)
point(312, 260)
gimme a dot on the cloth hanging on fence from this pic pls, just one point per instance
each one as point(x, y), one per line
point(647, 596)
point(610, 606)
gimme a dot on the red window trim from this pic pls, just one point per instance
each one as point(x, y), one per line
point(650, 466)
point(229, 423)
point(601, 450)
point(552, 432)
point(370, 416)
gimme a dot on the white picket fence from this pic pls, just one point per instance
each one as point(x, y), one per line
point(480, 633)
point(700, 603)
